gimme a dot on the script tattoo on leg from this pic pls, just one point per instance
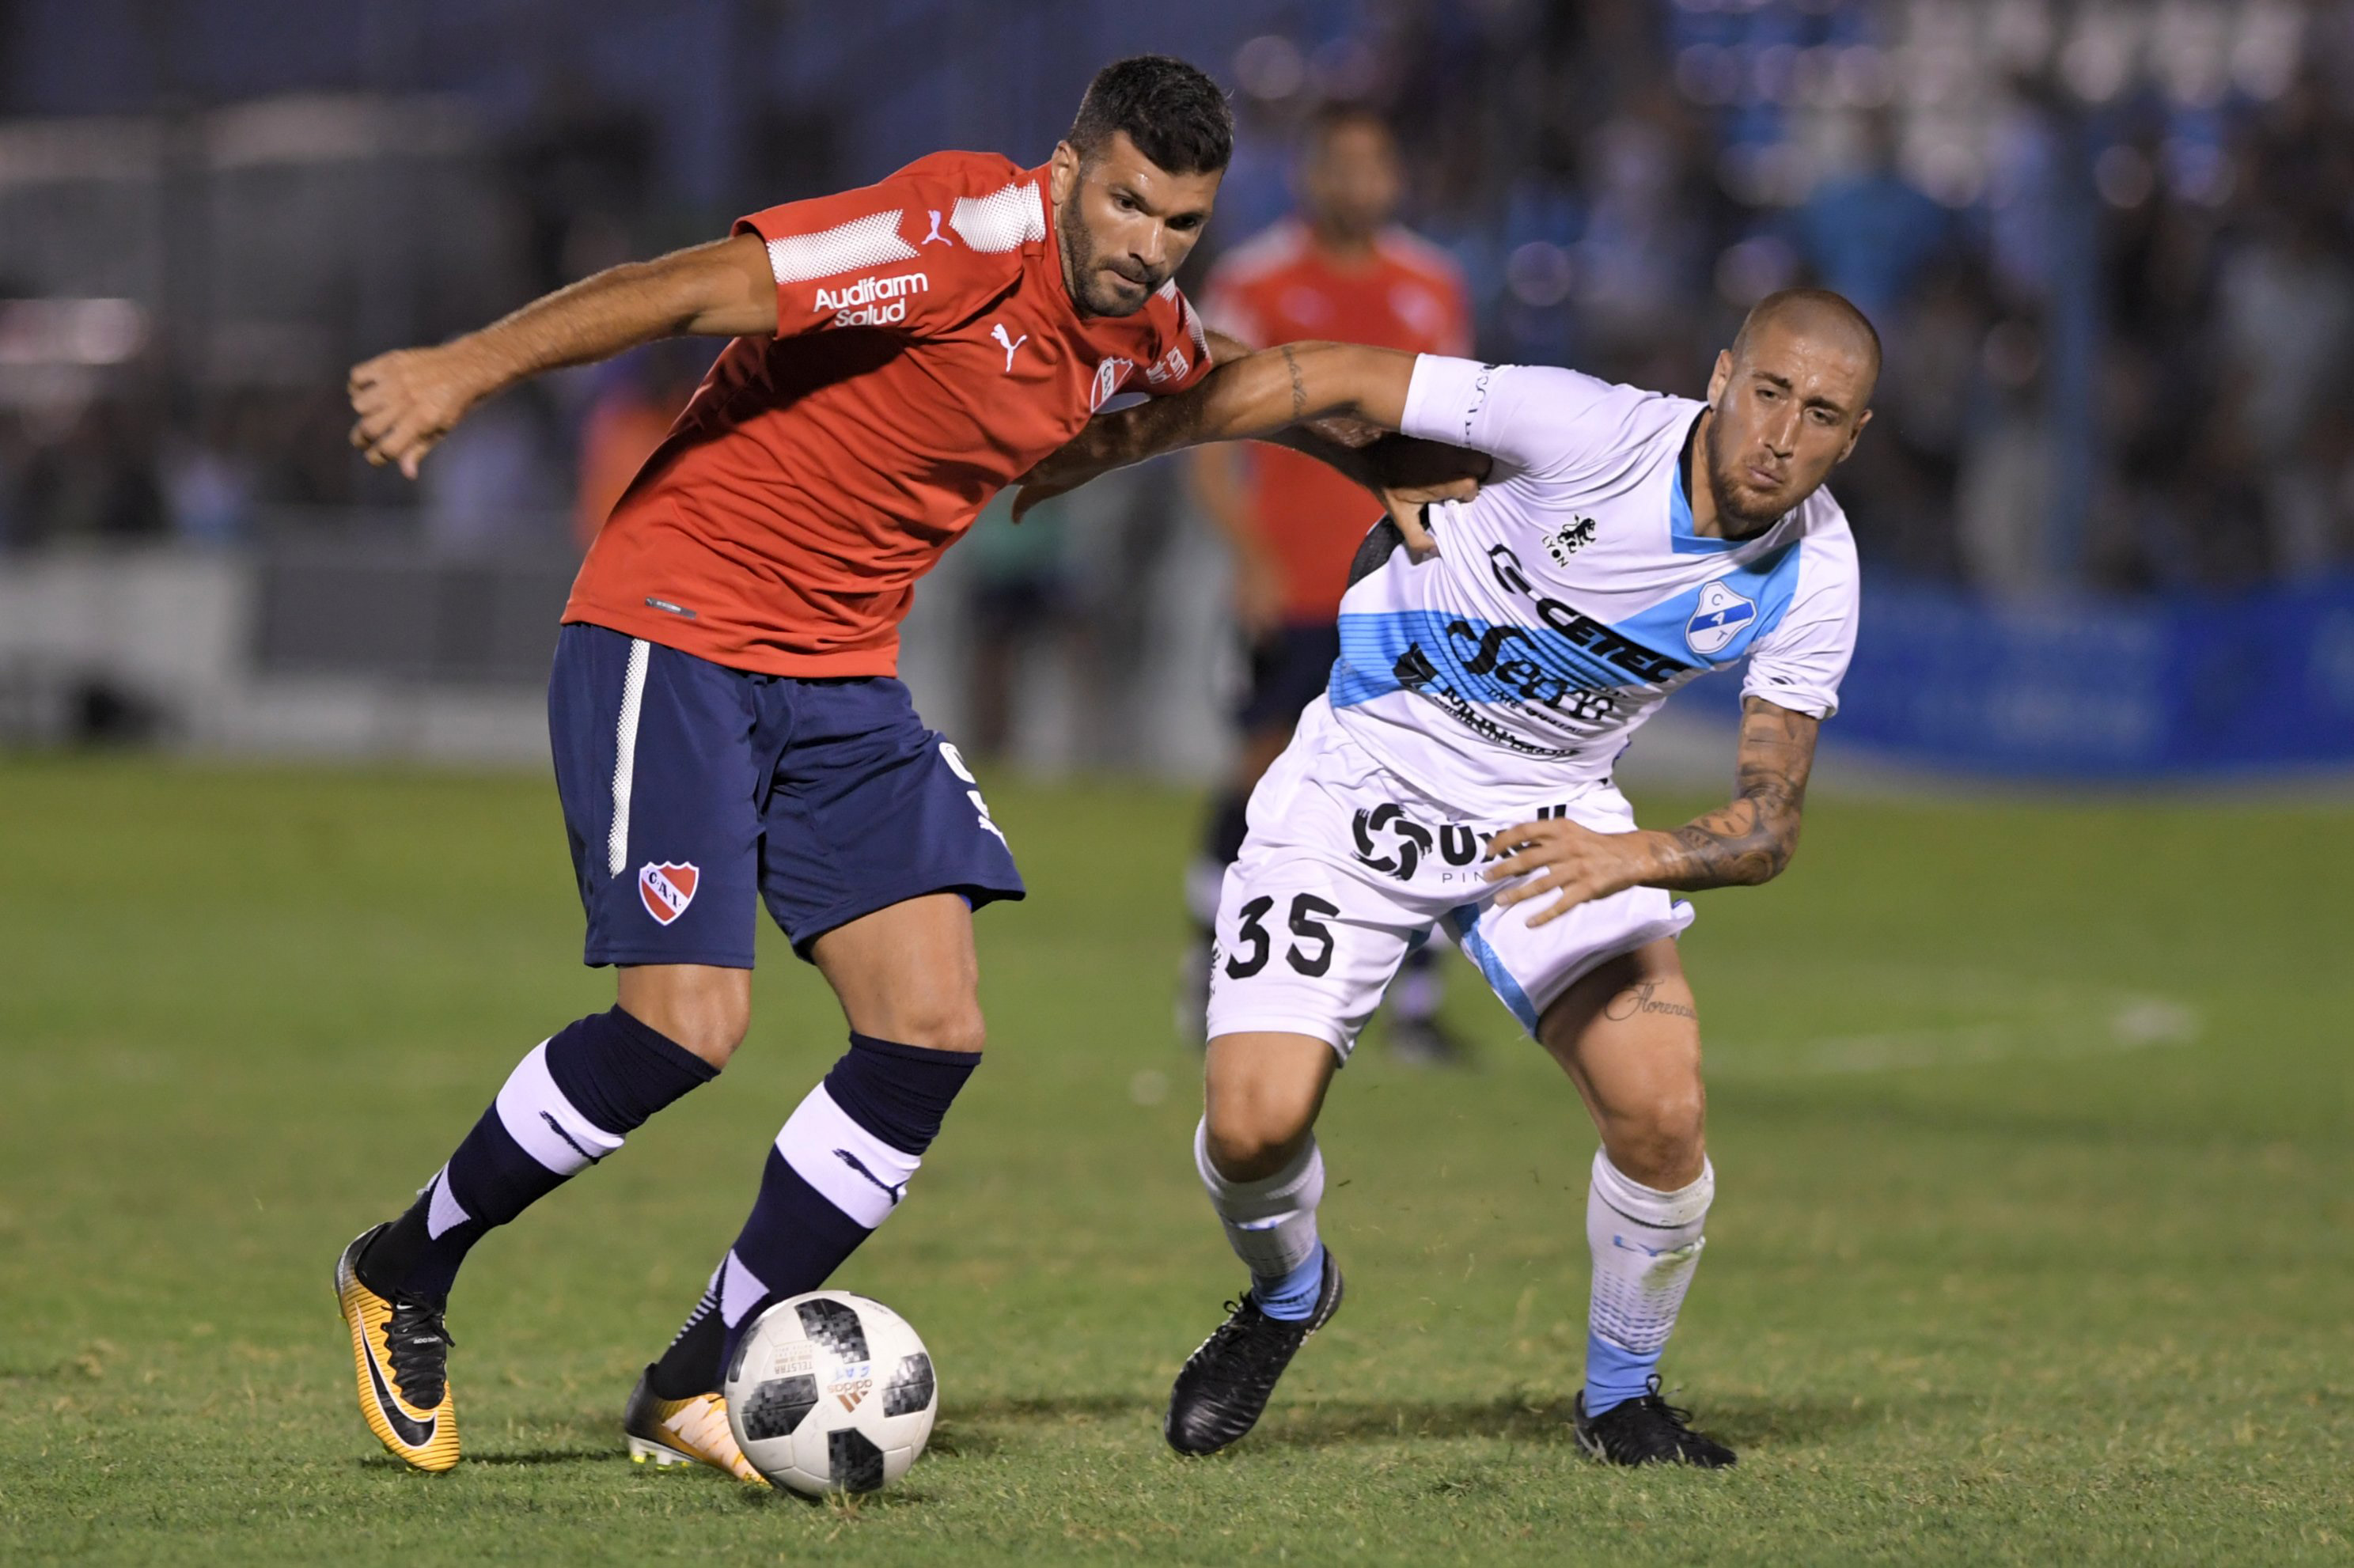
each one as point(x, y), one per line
point(1643, 998)
point(1298, 383)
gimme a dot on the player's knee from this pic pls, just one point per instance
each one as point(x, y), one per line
point(941, 1023)
point(705, 1013)
point(712, 1029)
point(1662, 1142)
point(1251, 1134)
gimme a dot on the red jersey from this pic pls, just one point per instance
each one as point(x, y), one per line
point(927, 353)
point(1282, 287)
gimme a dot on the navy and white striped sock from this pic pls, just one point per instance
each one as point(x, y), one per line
point(567, 1105)
point(835, 1174)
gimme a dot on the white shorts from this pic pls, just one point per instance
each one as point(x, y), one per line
point(1348, 868)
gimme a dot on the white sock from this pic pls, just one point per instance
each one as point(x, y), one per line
point(1270, 1222)
point(1646, 1245)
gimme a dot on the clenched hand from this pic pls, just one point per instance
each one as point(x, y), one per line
point(409, 400)
point(1412, 473)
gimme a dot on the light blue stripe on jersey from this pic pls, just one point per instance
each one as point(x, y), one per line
point(1760, 594)
point(1373, 644)
point(1683, 534)
point(1464, 922)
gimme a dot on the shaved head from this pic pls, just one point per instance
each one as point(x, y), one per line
point(1786, 404)
point(1812, 313)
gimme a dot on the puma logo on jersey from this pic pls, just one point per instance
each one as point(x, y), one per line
point(1008, 344)
point(936, 237)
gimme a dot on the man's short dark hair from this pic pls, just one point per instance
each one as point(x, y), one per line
point(1174, 114)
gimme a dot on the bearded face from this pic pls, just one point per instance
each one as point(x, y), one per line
point(1787, 408)
point(1126, 224)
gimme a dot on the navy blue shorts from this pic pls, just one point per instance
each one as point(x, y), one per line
point(690, 787)
point(1290, 668)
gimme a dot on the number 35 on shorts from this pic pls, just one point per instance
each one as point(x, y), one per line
point(1309, 950)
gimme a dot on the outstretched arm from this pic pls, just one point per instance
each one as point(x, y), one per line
point(1330, 400)
point(409, 400)
point(1252, 398)
point(1747, 842)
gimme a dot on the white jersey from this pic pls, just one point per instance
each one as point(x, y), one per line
point(1571, 596)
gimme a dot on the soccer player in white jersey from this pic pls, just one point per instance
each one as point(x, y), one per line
point(1457, 770)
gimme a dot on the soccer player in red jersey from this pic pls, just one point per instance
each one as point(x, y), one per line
point(726, 725)
point(1342, 269)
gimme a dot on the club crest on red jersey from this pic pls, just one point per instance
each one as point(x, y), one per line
point(1108, 376)
point(667, 889)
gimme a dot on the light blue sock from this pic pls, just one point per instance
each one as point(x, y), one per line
point(1291, 1296)
point(1614, 1375)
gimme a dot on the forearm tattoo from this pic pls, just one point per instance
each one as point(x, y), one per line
point(1750, 839)
point(1299, 383)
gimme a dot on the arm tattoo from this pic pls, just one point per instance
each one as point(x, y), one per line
point(1298, 383)
point(1750, 839)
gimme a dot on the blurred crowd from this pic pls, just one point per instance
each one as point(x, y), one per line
point(2114, 270)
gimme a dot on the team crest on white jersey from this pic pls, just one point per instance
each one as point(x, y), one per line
point(1568, 539)
point(667, 889)
point(1718, 618)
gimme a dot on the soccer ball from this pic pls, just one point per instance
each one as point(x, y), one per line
point(831, 1392)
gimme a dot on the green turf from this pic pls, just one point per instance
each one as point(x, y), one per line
point(2032, 1241)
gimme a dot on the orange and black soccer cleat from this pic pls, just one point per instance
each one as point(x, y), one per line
point(402, 1354)
point(692, 1430)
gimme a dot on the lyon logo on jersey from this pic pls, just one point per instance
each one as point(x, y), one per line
point(667, 889)
point(1719, 618)
point(1568, 539)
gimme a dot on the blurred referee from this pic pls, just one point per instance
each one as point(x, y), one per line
point(1340, 270)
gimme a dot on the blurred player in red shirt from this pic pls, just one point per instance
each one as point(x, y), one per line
point(1342, 270)
point(726, 723)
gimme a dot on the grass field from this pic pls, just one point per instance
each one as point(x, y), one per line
point(2035, 1239)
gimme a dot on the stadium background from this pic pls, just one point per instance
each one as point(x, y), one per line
point(2038, 1090)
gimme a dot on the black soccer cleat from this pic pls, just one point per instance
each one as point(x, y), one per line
point(1649, 1431)
point(1225, 1384)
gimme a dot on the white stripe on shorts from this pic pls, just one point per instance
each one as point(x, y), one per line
point(625, 756)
